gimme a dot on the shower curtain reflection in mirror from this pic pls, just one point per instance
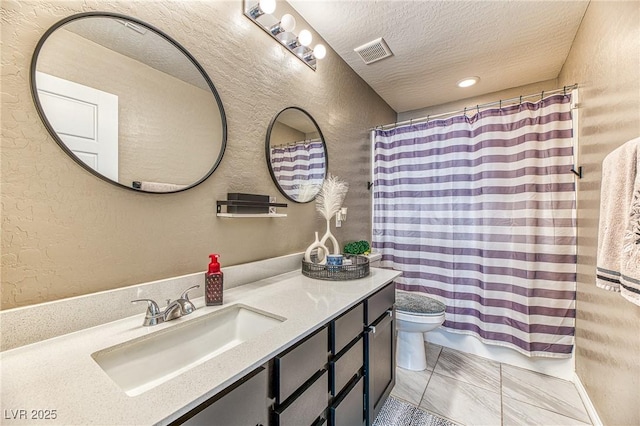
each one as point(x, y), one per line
point(479, 213)
point(299, 168)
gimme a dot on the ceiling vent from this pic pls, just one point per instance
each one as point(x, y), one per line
point(374, 51)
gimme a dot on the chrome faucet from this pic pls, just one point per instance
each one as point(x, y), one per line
point(176, 309)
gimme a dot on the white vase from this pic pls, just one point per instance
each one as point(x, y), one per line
point(322, 251)
point(328, 236)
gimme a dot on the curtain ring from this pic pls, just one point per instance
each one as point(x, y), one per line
point(520, 99)
point(478, 108)
point(500, 103)
point(542, 95)
point(465, 111)
point(564, 90)
point(427, 118)
point(411, 122)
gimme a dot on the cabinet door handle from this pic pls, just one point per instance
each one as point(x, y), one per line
point(371, 329)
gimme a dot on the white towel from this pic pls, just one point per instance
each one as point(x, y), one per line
point(158, 186)
point(620, 181)
point(630, 262)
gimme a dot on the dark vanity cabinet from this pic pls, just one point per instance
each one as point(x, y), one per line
point(300, 382)
point(362, 365)
point(245, 403)
point(346, 367)
point(341, 375)
point(380, 349)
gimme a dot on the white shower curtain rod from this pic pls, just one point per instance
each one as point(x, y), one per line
point(500, 103)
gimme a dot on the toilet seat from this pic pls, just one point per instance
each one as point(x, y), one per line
point(418, 305)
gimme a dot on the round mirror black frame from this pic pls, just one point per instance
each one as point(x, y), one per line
point(268, 151)
point(52, 132)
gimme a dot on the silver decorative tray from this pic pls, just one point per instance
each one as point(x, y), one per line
point(359, 268)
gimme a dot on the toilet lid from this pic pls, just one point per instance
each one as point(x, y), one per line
point(418, 305)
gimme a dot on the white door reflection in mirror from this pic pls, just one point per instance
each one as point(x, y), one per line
point(86, 120)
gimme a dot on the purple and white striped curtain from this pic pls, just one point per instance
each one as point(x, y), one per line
point(299, 168)
point(479, 213)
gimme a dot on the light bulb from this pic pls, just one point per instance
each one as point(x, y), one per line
point(468, 82)
point(304, 38)
point(319, 51)
point(288, 22)
point(267, 6)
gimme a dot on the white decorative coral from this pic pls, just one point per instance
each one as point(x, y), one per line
point(331, 196)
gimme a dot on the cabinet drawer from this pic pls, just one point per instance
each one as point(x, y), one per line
point(307, 406)
point(350, 410)
point(346, 328)
point(296, 365)
point(244, 403)
point(380, 302)
point(344, 368)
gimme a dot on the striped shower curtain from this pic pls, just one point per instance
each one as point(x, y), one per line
point(479, 213)
point(299, 168)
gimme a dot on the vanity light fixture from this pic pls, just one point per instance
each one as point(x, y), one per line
point(282, 31)
point(287, 24)
point(468, 81)
point(319, 51)
point(263, 6)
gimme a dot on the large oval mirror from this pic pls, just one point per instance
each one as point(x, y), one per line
point(296, 154)
point(128, 103)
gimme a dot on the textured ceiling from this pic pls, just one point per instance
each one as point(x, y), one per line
point(148, 48)
point(437, 43)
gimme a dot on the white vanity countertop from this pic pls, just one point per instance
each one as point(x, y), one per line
point(60, 374)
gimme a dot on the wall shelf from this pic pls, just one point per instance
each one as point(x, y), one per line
point(251, 208)
point(251, 214)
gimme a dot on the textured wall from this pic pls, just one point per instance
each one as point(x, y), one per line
point(605, 60)
point(281, 134)
point(66, 232)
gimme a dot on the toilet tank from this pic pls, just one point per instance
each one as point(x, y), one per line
point(374, 259)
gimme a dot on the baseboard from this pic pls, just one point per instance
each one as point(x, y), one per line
point(584, 396)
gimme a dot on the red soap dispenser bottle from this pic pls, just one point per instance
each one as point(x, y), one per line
point(213, 282)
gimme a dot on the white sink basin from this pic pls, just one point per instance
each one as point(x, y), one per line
point(144, 363)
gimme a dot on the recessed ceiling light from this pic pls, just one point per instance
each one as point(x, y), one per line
point(468, 81)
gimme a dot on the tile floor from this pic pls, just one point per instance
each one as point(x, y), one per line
point(471, 390)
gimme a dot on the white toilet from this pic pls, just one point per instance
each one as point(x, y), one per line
point(415, 314)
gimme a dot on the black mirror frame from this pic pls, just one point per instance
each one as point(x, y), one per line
point(52, 132)
point(268, 151)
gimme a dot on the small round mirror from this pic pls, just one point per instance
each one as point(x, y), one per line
point(128, 103)
point(296, 154)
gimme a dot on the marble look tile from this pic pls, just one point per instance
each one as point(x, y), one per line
point(470, 369)
point(433, 353)
point(461, 402)
point(550, 393)
point(518, 413)
point(410, 385)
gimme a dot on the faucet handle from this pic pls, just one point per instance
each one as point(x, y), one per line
point(152, 308)
point(185, 296)
point(153, 315)
point(185, 304)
